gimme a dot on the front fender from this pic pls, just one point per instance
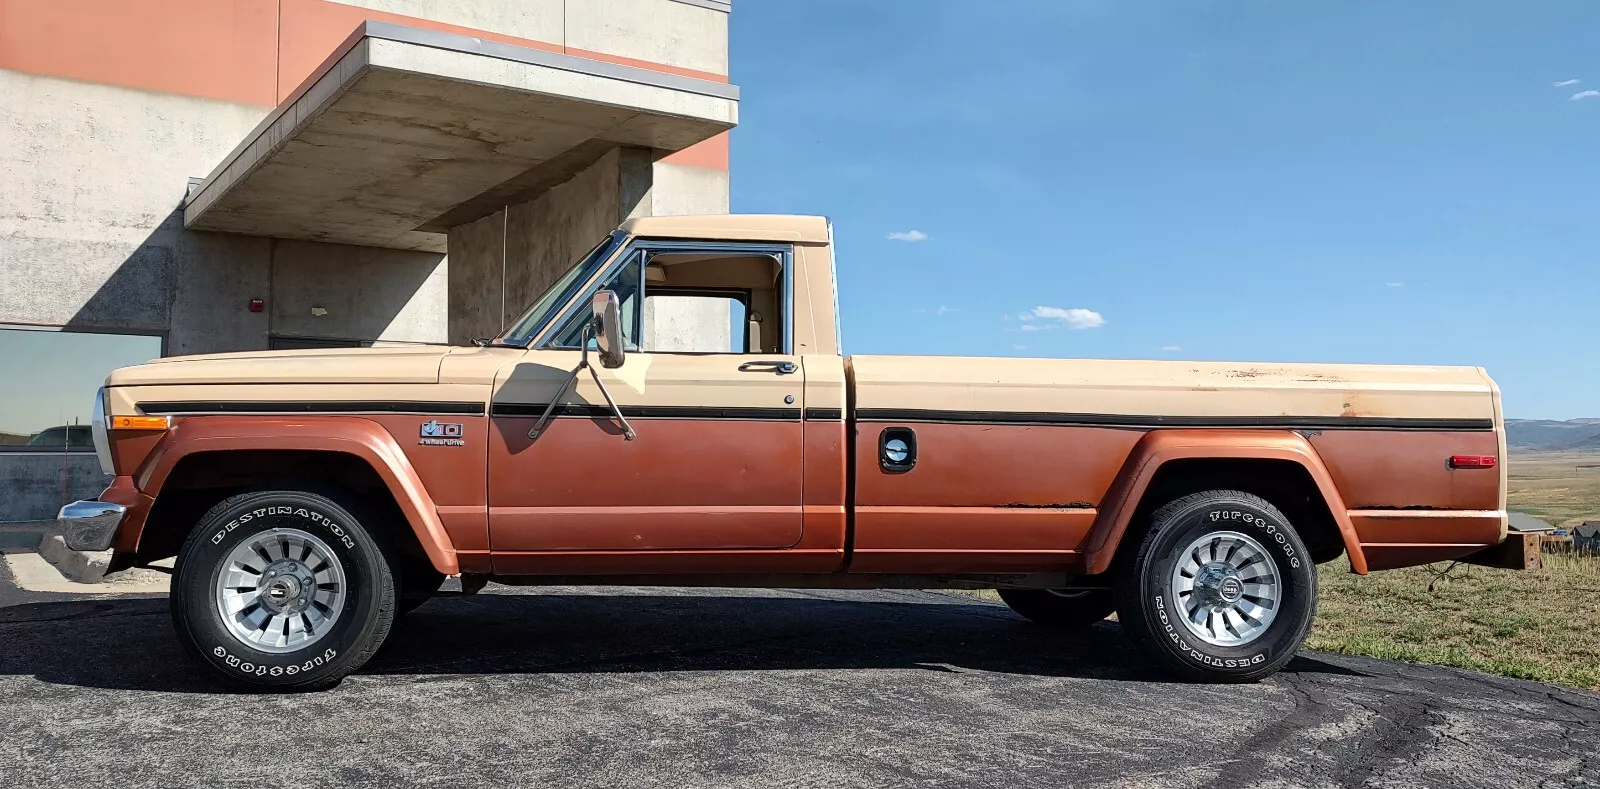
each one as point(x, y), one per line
point(350, 435)
point(1161, 446)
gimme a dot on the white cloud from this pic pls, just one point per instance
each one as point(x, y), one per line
point(1564, 83)
point(1020, 347)
point(1395, 284)
point(1072, 317)
point(908, 235)
point(939, 310)
point(1035, 327)
point(1585, 94)
point(1172, 347)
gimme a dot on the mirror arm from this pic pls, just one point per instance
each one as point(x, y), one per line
point(627, 429)
point(544, 418)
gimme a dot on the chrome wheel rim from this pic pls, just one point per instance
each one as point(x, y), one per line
point(1227, 588)
point(281, 590)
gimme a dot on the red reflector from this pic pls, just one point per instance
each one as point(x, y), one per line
point(1472, 461)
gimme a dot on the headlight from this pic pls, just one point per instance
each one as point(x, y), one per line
point(102, 445)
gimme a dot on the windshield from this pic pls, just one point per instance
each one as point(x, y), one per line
point(559, 293)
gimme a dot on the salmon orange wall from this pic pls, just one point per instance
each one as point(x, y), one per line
point(249, 51)
point(219, 49)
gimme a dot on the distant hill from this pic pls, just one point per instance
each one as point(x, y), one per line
point(1550, 435)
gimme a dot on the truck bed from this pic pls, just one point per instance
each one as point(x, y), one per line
point(1017, 459)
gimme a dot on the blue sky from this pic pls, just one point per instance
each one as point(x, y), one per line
point(1251, 180)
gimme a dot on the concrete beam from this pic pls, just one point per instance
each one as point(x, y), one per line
point(403, 126)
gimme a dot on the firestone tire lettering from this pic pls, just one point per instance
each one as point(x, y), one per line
point(1277, 535)
point(262, 669)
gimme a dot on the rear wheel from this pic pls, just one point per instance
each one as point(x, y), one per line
point(1220, 588)
point(1061, 607)
point(282, 590)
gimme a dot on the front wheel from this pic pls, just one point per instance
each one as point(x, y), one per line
point(1219, 589)
point(282, 590)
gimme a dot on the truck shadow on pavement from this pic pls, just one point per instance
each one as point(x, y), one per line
point(129, 644)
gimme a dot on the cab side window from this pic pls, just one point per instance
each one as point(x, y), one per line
point(677, 299)
point(713, 302)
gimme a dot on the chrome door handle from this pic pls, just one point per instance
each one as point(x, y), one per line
point(781, 368)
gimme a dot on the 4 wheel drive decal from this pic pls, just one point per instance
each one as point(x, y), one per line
point(441, 434)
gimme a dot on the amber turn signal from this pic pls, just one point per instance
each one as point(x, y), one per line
point(139, 423)
point(1472, 461)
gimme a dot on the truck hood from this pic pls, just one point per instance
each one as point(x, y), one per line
point(408, 365)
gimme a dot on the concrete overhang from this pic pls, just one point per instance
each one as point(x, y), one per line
point(403, 133)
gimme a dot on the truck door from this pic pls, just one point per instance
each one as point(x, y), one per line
point(710, 387)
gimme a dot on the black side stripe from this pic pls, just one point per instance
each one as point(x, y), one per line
point(824, 414)
point(652, 412)
point(312, 407)
point(1153, 421)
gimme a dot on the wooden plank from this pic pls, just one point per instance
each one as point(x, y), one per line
point(1520, 551)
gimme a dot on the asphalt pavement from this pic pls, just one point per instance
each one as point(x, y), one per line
point(684, 688)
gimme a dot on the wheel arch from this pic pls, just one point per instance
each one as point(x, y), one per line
point(1164, 460)
point(350, 442)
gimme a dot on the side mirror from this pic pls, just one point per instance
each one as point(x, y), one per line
point(608, 328)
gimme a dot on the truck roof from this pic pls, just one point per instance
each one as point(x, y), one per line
point(743, 227)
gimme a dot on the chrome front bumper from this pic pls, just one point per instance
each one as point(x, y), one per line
point(90, 525)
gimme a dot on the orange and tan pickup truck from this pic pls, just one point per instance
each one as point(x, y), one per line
point(675, 410)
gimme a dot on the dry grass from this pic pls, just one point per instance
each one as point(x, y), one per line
point(1560, 487)
point(1542, 625)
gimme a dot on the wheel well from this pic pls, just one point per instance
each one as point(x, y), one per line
point(202, 479)
point(1284, 483)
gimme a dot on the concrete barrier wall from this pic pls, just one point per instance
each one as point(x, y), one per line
point(90, 228)
point(33, 486)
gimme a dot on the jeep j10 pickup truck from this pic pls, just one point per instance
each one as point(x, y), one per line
point(616, 434)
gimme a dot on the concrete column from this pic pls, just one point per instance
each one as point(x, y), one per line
point(679, 324)
point(499, 264)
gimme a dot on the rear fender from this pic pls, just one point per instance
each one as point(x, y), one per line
point(1161, 446)
point(362, 438)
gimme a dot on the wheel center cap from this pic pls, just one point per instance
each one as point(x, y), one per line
point(1218, 583)
point(286, 587)
point(282, 592)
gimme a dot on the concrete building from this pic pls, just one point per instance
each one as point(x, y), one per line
point(198, 176)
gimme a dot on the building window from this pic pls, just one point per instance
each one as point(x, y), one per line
point(49, 380)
